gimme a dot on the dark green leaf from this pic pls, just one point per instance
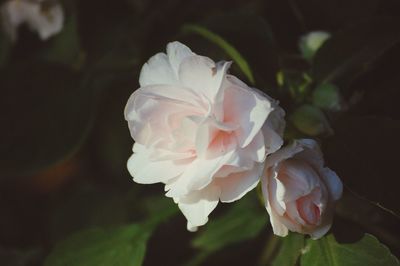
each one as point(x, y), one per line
point(160, 209)
point(349, 53)
point(243, 221)
point(123, 246)
point(366, 252)
point(290, 250)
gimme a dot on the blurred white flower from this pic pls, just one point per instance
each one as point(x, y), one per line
point(46, 17)
point(200, 131)
point(299, 192)
point(311, 42)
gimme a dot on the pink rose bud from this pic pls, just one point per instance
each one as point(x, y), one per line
point(299, 191)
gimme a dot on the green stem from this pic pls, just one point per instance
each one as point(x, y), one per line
point(271, 247)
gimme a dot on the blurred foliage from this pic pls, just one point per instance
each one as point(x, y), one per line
point(367, 251)
point(66, 197)
point(243, 221)
point(120, 246)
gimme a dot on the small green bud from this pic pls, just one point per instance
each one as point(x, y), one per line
point(310, 120)
point(326, 96)
point(311, 42)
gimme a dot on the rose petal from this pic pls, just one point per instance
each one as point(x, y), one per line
point(177, 52)
point(198, 205)
point(149, 113)
point(247, 108)
point(145, 171)
point(298, 179)
point(293, 213)
point(235, 186)
point(198, 175)
point(157, 71)
point(205, 77)
point(277, 226)
point(333, 183)
point(273, 130)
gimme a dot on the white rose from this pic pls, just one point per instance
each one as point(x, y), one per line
point(200, 131)
point(42, 16)
point(299, 192)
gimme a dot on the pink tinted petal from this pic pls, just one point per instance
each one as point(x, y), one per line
point(145, 171)
point(277, 226)
point(177, 52)
point(282, 154)
point(235, 186)
point(177, 93)
point(309, 211)
point(244, 159)
point(245, 107)
point(198, 175)
point(298, 178)
point(275, 188)
point(153, 117)
point(273, 130)
point(256, 149)
point(146, 124)
point(293, 213)
point(157, 70)
point(333, 183)
point(165, 155)
point(311, 152)
point(184, 135)
point(212, 135)
point(198, 205)
point(205, 78)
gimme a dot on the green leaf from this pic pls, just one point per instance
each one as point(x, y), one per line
point(364, 151)
point(227, 47)
point(310, 120)
point(366, 252)
point(122, 246)
point(48, 114)
point(348, 53)
point(243, 221)
point(327, 96)
point(159, 208)
point(290, 250)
